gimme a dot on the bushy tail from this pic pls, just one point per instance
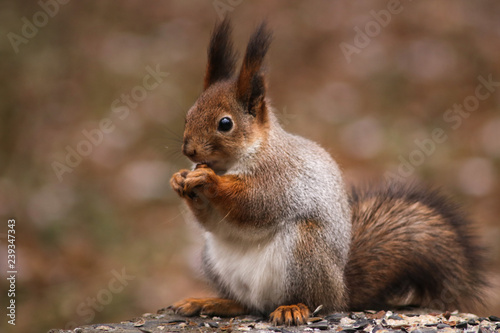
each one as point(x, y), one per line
point(412, 247)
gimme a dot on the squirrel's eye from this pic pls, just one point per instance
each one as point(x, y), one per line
point(225, 124)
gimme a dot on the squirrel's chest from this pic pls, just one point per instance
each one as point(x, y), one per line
point(254, 275)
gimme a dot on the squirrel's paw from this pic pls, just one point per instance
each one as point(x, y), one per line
point(177, 181)
point(208, 306)
point(199, 179)
point(290, 315)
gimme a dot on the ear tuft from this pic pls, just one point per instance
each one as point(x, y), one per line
point(251, 85)
point(221, 57)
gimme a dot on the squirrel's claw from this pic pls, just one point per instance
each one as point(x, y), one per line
point(290, 315)
point(177, 181)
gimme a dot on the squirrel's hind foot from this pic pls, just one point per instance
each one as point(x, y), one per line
point(208, 306)
point(290, 315)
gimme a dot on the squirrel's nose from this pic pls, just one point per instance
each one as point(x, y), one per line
point(190, 153)
point(188, 149)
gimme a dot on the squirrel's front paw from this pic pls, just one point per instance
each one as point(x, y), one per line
point(202, 179)
point(177, 181)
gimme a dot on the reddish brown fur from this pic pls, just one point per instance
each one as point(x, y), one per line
point(226, 193)
point(411, 247)
point(207, 147)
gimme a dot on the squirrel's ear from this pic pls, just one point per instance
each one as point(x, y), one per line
point(251, 85)
point(221, 57)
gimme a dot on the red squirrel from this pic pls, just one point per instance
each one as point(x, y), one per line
point(283, 235)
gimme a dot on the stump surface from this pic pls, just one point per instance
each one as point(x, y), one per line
point(410, 321)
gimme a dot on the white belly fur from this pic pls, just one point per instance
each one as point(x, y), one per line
point(255, 274)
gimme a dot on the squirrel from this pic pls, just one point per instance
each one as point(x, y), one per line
point(283, 233)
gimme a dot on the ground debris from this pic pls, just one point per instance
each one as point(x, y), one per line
point(414, 321)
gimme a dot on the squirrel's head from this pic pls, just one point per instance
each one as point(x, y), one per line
point(230, 118)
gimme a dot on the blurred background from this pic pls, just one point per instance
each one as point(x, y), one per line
point(92, 103)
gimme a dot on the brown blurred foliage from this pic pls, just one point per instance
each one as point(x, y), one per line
point(114, 210)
